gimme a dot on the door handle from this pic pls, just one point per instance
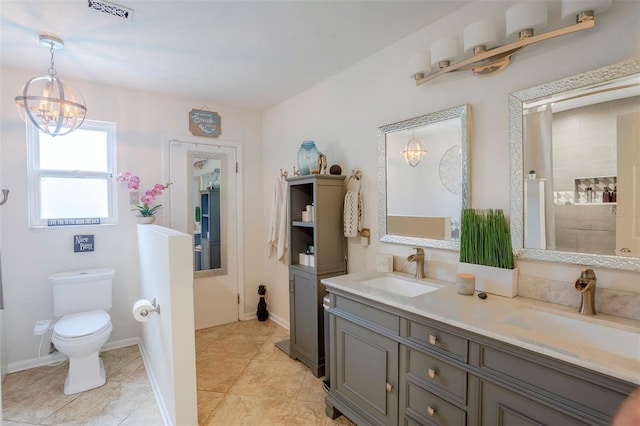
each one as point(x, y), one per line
point(291, 286)
point(625, 250)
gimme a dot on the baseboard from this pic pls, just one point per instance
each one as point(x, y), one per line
point(164, 412)
point(56, 357)
point(123, 343)
point(279, 320)
point(275, 318)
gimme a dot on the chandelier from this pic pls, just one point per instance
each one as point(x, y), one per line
point(51, 105)
point(414, 151)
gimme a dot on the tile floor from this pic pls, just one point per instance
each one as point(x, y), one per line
point(243, 379)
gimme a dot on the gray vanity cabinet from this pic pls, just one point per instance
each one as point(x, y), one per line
point(366, 372)
point(437, 374)
point(323, 237)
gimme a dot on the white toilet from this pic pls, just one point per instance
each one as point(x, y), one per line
point(81, 300)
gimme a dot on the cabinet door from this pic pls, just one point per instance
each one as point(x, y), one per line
point(499, 406)
point(303, 307)
point(367, 371)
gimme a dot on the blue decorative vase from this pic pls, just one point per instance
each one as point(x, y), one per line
point(308, 158)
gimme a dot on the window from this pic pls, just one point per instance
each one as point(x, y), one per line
point(71, 176)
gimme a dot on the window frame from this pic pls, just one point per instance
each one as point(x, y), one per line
point(34, 173)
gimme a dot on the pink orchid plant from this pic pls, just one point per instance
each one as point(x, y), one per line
point(144, 208)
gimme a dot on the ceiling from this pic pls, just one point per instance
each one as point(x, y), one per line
point(251, 54)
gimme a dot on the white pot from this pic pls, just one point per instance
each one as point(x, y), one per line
point(503, 282)
point(145, 220)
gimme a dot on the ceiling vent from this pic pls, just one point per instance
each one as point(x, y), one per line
point(111, 9)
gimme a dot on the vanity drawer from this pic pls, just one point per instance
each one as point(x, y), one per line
point(381, 318)
point(439, 340)
point(427, 408)
point(429, 371)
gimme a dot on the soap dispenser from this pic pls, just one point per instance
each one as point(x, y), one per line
point(605, 195)
point(614, 196)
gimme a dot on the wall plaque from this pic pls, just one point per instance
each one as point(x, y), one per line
point(204, 123)
point(82, 243)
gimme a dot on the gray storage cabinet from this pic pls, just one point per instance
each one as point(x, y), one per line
point(325, 235)
point(391, 367)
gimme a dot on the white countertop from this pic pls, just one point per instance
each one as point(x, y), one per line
point(484, 318)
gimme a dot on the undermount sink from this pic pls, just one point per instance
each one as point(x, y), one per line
point(400, 286)
point(588, 331)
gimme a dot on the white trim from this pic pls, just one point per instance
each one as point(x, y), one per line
point(279, 320)
point(57, 356)
point(166, 141)
point(164, 412)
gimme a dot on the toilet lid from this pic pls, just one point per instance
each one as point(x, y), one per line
point(81, 324)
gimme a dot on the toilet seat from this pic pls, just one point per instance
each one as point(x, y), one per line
point(82, 324)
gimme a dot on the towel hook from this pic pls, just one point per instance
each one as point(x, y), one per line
point(5, 196)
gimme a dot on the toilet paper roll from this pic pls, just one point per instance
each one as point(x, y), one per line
point(142, 310)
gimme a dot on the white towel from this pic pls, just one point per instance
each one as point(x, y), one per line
point(277, 242)
point(353, 208)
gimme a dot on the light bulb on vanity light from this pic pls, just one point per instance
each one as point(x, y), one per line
point(419, 65)
point(480, 36)
point(579, 11)
point(443, 51)
point(525, 17)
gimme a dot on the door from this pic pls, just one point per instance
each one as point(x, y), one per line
point(216, 290)
point(628, 186)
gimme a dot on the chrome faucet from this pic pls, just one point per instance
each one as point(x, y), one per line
point(418, 257)
point(586, 285)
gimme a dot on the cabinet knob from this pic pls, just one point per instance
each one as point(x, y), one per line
point(432, 339)
point(431, 411)
point(389, 387)
point(291, 286)
point(625, 250)
point(432, 373)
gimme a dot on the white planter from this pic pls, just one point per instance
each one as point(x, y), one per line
point(503, 282)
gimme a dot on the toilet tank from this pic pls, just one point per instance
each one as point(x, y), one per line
point(79, 291)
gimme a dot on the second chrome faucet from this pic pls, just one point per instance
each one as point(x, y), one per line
point(418, 257)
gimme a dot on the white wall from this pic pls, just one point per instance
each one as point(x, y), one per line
point(30, 255)
point(343, 112)
point(167, 338)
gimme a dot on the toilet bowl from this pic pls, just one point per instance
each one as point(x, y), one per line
point(80, 336)
point(81, 300)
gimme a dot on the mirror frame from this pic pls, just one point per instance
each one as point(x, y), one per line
point(516, 100)
point(464, 113)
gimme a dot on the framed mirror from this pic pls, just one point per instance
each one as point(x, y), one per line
point(423, 178)
point(207, 180)
point(575, 186)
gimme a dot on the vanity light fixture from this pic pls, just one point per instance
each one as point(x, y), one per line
point(52, 106)
point(479, 37)
point(414, 151)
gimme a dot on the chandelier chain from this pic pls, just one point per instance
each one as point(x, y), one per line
point(52, 71)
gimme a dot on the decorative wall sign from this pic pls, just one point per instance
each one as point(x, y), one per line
point(74, 221)
point(204, 123)
point(82, 243)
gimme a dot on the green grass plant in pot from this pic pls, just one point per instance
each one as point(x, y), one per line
point(486, 252)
